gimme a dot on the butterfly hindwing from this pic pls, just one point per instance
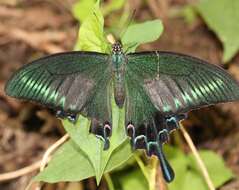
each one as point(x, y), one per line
point(73, 82)
point(161, 88)
point(138, 105)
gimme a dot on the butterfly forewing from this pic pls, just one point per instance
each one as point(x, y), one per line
point(178, 83)
point(72, 82)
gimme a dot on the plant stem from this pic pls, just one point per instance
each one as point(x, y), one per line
point(18, 173)
point(160, 182)
point(153, 172)
point(150, 171)
point(141, 165)
point(109, 181)
point(198, 158)
point(51, 149)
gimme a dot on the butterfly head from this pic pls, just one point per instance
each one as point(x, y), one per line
point(117, 48)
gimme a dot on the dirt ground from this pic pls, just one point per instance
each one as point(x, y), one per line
point(30, 29)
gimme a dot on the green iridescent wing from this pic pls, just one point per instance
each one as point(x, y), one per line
point(161, 87)
point(178, 83)
point(73, 82)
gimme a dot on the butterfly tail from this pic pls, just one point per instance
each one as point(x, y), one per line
point(156, 149)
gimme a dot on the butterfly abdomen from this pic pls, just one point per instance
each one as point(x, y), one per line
point(118, 67)
point(119, 86)
point(119, 90)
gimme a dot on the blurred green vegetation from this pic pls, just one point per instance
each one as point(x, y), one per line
point(221, 16)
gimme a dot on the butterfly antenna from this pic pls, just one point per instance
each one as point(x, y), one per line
point(97, 18)
point(129, 47)
point(122, 33)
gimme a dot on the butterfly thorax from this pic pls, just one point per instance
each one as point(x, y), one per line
point(118, 68)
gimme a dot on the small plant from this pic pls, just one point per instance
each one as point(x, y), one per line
point(84, 156)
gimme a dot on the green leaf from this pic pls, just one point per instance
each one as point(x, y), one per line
point(218, 172)
point(112, 6)
point(82, 8)
point(189, 13)
point(192, 179)
point(92, 146)
point(188, 174)
point(142, 33)
point(91, 38)
point(70, 163)
point(91, 33)
point(222, 17)
point(179, 163)
point(130, 179)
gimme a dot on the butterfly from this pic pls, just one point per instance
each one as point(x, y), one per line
point(156, 88)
